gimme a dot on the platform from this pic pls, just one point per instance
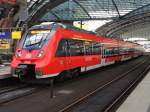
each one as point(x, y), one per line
point(5, 72)
point(138, 100)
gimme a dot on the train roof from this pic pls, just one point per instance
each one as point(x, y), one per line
point(60, 25)
point(70, 27)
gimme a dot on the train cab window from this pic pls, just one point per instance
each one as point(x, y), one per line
point(35, 39)
point(62, 49)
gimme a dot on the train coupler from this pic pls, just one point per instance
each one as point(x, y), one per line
point(21, 71)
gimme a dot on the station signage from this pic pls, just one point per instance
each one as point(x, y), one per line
point(16, 34)
point(5, 35)
point(4, 44)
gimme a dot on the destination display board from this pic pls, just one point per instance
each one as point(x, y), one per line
point(39, 31)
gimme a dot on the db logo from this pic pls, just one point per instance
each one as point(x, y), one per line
point(28, 55)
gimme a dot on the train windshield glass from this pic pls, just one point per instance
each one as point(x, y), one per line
point(36, 39)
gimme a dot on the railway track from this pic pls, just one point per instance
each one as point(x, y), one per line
point(10, 93)
point(59, 102)
point(9, 88)
point(115, 104)
point(81, 100)
point(8, 81)
point(70, 90)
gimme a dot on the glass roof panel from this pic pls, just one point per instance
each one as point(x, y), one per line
point(88, 9)
point(49, 15)
point(139, 11)
point(67, 11)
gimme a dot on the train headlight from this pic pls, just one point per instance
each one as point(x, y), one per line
point(40, 54)
point(19, 54)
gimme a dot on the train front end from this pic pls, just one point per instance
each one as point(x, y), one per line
point(33, 55)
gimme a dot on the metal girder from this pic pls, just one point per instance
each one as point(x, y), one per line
point(124, 24)
point(82, 8)
point(126, 19)
point(49, 5)
point(35, 3)
point(114, 3)
point(136, 10)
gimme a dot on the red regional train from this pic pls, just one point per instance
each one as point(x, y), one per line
point(58, 50)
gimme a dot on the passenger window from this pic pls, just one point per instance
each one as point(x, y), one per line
point(76, 47)
point(88, 48)
point(96, 48)
point(73, 47)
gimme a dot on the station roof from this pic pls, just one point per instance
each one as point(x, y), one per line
point(137, 21)
point(77, 10)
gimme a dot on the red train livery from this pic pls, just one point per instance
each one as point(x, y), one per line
point(47, 51)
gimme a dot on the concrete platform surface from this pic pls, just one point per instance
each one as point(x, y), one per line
point(139, 99)
point(5, 72)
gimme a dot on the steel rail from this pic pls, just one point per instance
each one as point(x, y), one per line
point(9, 88)
point(26, 90)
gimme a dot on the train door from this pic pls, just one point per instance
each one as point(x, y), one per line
point(63, 52)
point(67, 60)
point(102, 55)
